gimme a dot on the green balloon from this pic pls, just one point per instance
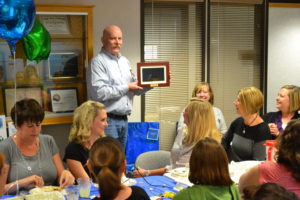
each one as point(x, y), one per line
point(37, 44)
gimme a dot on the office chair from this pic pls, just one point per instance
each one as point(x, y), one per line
point(153, 159)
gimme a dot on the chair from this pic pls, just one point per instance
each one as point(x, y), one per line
point(153, 159)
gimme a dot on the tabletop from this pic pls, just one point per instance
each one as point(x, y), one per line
point(155, 186)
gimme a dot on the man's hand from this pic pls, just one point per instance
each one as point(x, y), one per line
point(133, 86)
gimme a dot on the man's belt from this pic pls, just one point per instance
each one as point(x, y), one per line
point(114, 116)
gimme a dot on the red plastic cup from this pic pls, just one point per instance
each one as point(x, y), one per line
point(270, 150)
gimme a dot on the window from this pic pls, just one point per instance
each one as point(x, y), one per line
point(235, 52)
point(173, 32)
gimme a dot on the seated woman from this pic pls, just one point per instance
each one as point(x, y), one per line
point(89, 122)
point(108, 164)
point(203, 91)
point(31, 159)
point(286, 170)
point(209, 173)
point(288, 104)
point(246, 135)
point(200, 121)
point(270, 191)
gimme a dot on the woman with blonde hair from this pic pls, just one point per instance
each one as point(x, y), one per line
point(204, 91)
point(89, 122)
point(200, 120)
point(108, 164)
point(209, 173)
point(246, 135)
point(288, 105)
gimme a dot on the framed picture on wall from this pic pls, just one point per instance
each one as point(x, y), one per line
point(56, 24)
point(12, 95)
point(153, 74)
point(63, 65)
point(63, 99)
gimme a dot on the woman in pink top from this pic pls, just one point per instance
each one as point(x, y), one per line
point(286, 171)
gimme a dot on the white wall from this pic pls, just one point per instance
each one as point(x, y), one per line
point(284, 51)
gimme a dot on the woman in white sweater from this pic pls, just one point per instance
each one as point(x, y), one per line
point(203, 91)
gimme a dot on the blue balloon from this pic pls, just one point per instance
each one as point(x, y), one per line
point(16, 20)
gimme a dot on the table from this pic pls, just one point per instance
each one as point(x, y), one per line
point(156, 185)
point(153, 185)
point(236, 169)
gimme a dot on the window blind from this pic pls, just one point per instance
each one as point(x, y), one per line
point(172, 32)
point(235, 52)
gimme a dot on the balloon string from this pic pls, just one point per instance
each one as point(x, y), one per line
point(15, 101)
point(15, 84)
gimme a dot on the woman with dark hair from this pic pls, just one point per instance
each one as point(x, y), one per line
point(209, 173)
point(107, 162)
point(286, 170)
point(31, 159)
point(269, 191)
point(288, 105)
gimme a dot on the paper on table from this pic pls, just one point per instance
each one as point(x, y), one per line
point(180, 175)
point(236, 169)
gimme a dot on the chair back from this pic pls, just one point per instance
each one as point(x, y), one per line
point(153, 159)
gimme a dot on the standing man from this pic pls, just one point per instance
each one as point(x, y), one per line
point(111, 82)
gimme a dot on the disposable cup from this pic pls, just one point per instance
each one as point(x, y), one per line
point(84, 187)
point(270, 150)
point(72, 192)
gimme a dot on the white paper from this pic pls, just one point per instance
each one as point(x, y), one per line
point(3, 133)
point(56, 24)
point(64, 100)
point(11, 129)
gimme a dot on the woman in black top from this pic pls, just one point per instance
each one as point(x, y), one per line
point(89, 123)
point(107, 162)
point(246, 135)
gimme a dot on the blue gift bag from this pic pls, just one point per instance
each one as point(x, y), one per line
point(142, 137)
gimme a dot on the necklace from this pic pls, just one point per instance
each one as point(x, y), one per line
point(244, 128)
point(26, 163)
point(29, 168)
